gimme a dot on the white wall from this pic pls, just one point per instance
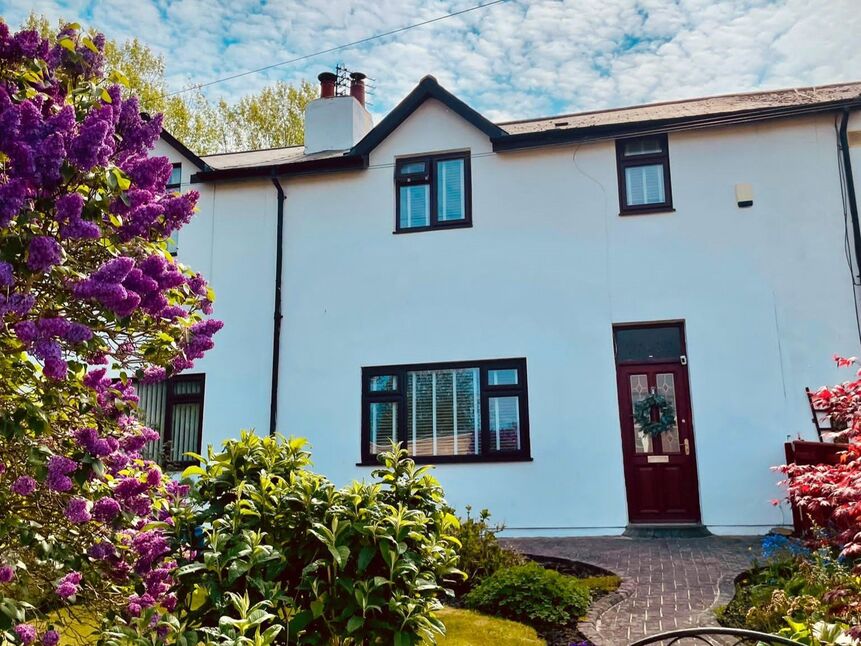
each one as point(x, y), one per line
point(231, 241)
point(546, 270)
point(548, 267)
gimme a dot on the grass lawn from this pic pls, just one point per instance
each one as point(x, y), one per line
point(468, 628)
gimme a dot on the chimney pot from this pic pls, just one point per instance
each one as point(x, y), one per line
point(357, 87)
point(327, 84)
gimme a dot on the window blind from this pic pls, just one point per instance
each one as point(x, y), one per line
point(644, 184)
point(415, 206)
point(451, 203)
point(443, 412)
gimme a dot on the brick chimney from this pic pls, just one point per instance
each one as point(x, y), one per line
point(335, 122)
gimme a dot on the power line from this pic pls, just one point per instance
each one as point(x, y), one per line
point(197, 86)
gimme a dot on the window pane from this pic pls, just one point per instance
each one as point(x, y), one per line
point(413, 167)
point(665, 383)
point(443, 412)
point(383, 383)
point(415, 206)
point(186, 428)
point(187, 387)
point(507, 377)
point(451, 203)
point(175, 177)
point(649, 344)
point(644, 146)
point(644, 185)
point(504, 423)
point(639, 391)
point(153, 399)
point(384, 426)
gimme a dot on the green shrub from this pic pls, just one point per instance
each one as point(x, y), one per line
point(532, 594)
point(480, 553)
point(284, 552)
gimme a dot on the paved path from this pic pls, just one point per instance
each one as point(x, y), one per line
point(666, 583)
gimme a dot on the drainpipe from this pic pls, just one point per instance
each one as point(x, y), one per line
point(850, 192)
point(276, 329)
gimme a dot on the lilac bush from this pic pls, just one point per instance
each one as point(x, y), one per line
point(90, 298)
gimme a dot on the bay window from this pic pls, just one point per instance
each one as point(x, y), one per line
point(448, 412)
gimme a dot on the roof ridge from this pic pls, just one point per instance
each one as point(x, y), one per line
point(679, 101)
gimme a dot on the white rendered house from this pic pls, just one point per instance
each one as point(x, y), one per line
point(499, 296)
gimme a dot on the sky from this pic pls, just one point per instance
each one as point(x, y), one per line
point(517, 59)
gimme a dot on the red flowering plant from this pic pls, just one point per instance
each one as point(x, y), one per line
point(86, 287)
point(830, 494)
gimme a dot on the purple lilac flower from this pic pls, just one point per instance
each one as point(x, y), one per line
point(13, 194)
point(77, 511)
point(137, 603)
point(59, 468)
point(7, 278)
point(56, 369)
point(24, 486)
point(26, 331)
point(51, 638)
point(78, 333)
point(153, 476)
point(26, 633)
point(43, 253)
point(102, 550)
point(55, 326)
point(153, 374)
point(69, 585)
point(7, 573)
point(106, 509)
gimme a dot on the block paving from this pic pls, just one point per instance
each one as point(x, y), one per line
point(667, 583)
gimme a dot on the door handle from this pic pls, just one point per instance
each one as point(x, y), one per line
point(687, 447)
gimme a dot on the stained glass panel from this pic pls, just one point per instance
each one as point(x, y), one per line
point(639, 391)
point(665, 383)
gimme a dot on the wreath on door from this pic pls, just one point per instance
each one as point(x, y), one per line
point(643, 414)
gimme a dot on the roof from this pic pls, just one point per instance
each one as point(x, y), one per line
point(511, 135)
point(699, 107)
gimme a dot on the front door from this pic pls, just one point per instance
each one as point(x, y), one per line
point(660, 470)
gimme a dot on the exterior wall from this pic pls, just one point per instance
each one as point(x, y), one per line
point(231, 241)
point(547, 269)
point(545, 272)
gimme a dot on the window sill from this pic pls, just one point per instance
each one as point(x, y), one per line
point(456, 459)
point(650, 211)
point(438, 227)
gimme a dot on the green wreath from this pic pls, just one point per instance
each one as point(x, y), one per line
point(643, 415)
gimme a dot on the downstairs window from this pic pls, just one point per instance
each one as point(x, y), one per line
point(174, 408)
point(447, 412)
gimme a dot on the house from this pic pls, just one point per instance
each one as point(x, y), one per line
point(499, 296)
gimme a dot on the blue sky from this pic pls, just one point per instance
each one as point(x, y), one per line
point(518, 59)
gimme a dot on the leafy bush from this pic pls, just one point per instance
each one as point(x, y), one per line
point(480, 553)
point(531, 594)
point(282, 552)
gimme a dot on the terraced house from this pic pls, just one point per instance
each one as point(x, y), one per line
point(499, 297)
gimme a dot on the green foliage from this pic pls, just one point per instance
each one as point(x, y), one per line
point(531, 594)
point(365, 564)
point(601, 584)
point(270, 118)
point(481, 554)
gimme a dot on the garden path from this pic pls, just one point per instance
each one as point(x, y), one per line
point(667, 583)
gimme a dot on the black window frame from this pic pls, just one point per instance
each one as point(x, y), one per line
point(178, 185)
point(520, 389)
point(172, 399)
point(429, 177)
point(623, 162)
point(170, 188)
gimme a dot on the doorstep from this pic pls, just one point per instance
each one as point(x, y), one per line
point(666, 530)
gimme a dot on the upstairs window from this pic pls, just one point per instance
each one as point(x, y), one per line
point(433, 192)
point(455, 412)
point(644, 175)
point(173, 186)
point(174, 408)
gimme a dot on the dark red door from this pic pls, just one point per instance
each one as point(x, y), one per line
point(660, 471)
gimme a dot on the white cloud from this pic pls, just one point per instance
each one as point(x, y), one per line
point(519, 59)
